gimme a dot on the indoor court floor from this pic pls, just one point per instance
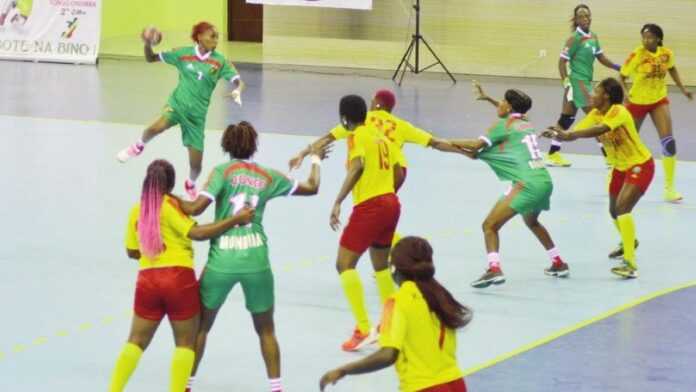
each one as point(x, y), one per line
point(67, 285)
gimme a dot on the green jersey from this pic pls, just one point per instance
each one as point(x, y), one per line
point(198, 76)
point(513, 152)
point(581, 52)
point(243, 249)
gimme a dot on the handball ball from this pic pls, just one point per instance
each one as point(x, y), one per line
point(152, 35)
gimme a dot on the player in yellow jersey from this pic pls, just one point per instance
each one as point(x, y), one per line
point(647, 66)
point(159, 235)
point(373, 171)
point(634, 168)
point(418, 328)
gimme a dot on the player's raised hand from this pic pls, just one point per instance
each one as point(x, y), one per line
point(335, 221)
point(688, 94)
point(236, 95)
point(331, 377)
point(322, 152)
point(296, 161)
point(478, 91)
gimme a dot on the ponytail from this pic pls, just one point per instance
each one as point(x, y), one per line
point(158, 182)
point(412, 258)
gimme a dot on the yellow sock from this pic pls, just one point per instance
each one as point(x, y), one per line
point(628, 238)
point(125, 365)
point(385, 284)
point(395, 239)
point(182, 364)
point(353, 288)
point(669, 164)
point(616, 224)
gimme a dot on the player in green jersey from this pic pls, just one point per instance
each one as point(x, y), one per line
point(510, 148)
point(576, 67)
point(200, 68)
point(240, 255)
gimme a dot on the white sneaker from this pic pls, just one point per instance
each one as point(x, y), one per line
point(131, 151)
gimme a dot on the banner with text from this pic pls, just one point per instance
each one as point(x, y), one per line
point(354, 4)
point(65, 31)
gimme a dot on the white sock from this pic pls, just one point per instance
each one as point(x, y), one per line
point(555, 143)
point(493, 260)
point(276, 384)
point(553, 253)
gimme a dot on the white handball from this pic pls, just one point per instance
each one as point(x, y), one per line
point(152, 35)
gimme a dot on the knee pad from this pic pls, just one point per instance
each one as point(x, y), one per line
point(566, 120)
point(669, 146)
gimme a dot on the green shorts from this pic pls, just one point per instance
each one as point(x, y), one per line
point(530, 198)
point(192, 127)
point(579, 93)
point(257, 286)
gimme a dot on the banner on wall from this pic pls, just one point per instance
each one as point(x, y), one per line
point(354, 4)
point(65, 31)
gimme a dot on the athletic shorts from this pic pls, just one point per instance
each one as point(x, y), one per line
point(170, 290)
point(579, 93)
point(372, 223)
point(192, 127)
point(639, 175)
point(639, 111)
point(531, 197)
point(457, 385)
point(257, 287)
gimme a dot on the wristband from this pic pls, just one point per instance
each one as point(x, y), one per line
point(316, 160)
point(616, 67)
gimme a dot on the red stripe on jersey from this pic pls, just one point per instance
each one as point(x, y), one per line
point(248, 166)
point(212, 62)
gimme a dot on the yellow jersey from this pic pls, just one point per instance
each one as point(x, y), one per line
point(648, 71)
point(427, 349)
point(379, 157)
point(398, 131)
point(624, 147)
point(174, 228)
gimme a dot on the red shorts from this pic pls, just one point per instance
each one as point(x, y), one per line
point(639, 175)
point(372, 223)
point(171, 290)
point(453, 386)
point(639, 111)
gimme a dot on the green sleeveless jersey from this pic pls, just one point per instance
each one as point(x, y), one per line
point(581, 55)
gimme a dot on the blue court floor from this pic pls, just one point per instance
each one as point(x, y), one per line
point(67, 286)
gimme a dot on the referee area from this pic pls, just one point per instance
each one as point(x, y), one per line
point(68, 287)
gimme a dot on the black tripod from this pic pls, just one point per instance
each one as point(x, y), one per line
point(414, 46)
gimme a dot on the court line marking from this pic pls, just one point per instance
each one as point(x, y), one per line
point(93, 122)
point(568, 330)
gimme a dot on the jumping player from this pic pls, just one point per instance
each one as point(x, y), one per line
point(633, 164)
point(240, 255)
point(578, 56)
point(418, 328)
point(648, 66)
point(159, 235)
point(510, 148)
point(200, 68)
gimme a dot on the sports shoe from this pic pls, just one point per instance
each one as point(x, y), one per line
point(359, 340)
point(190, 188)
point(557, 160)
point(558, 269)
point(625, 270)
point(131, 151)
point(618, 252)
point(672, 196)
point(493, 275)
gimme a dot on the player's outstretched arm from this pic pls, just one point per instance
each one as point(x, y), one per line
point(559, 134)
point(296, 161)
point(311, 186)
point(604, 60)
point(469, 147)
point(444, 145)
point(677, 79)
point(381, 359)
point(211, 230)
point(195, 207)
